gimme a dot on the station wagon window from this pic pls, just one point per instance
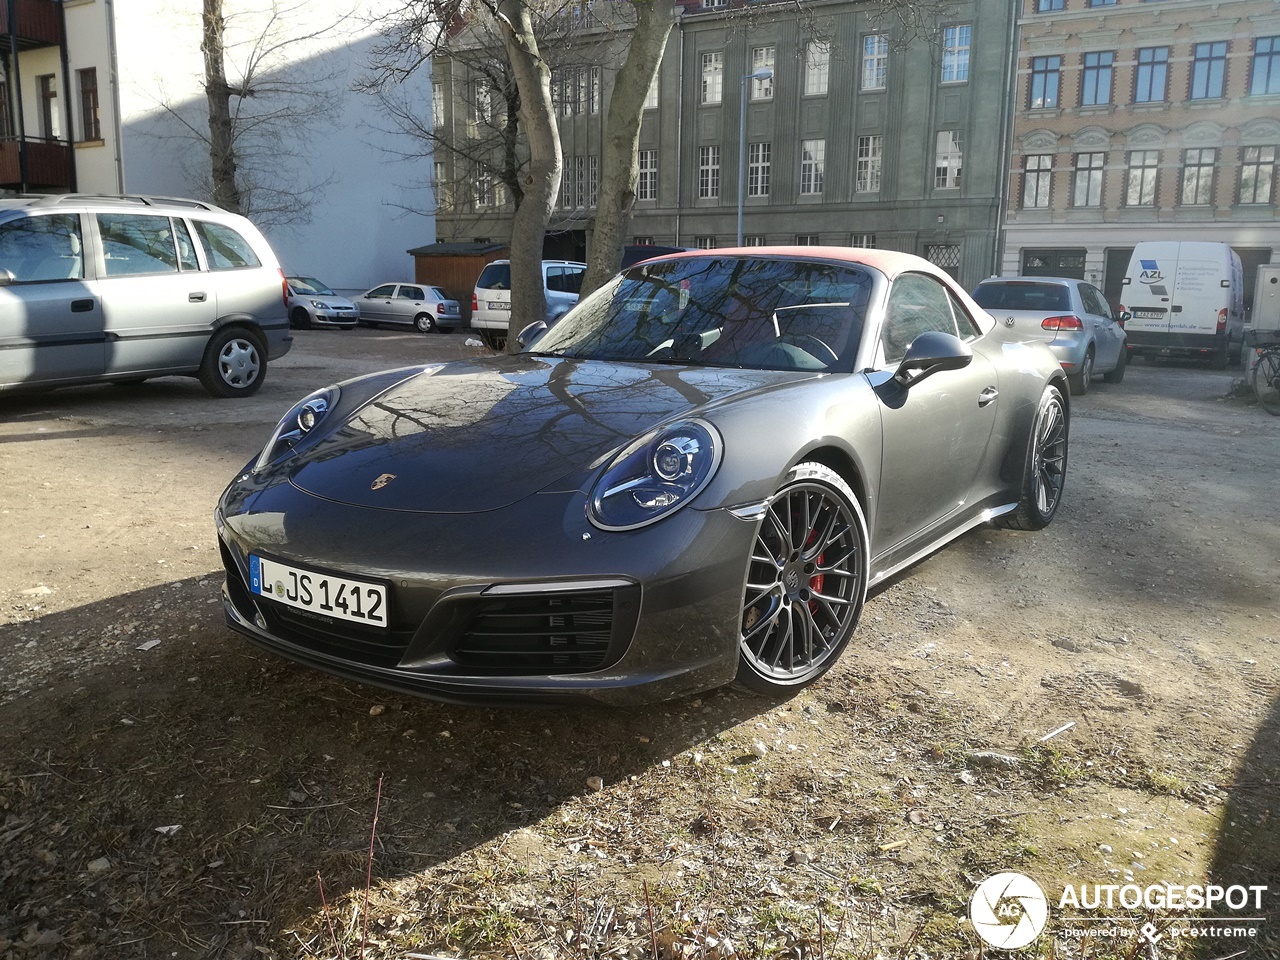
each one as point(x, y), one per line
point(36, 249)
point(225, 248)
point(917, 304)
point(186, 246)
point(411, 293)
point(133, 245)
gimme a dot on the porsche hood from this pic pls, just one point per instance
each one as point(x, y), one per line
point(479, 435)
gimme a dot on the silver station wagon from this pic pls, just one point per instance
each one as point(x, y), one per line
point(126, 288)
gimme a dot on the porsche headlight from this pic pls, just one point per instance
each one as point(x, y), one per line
point(656, 475)
point(306, 415)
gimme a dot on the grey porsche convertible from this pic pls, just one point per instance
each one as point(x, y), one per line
point(691, 480)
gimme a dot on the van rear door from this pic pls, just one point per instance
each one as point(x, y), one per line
point(1197, 296)
point(1149, 287)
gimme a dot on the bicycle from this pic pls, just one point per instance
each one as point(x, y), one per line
point(1265, 375)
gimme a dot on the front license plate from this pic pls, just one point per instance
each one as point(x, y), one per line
point(497, 305)
point(356, 600)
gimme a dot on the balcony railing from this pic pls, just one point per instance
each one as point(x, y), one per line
point(48, 164)
point(35, 23)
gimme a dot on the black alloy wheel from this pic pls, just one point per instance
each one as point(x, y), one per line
point(806, 582)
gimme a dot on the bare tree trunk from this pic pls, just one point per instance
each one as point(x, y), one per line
point(222, 154)
point(654, 20)
point(541, 180)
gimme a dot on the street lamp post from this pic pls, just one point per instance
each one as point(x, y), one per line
point(764, 73)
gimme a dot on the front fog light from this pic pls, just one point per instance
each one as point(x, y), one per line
point(656, 475)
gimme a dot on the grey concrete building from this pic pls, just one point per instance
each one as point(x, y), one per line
point(1140, 120)
point(859, 135)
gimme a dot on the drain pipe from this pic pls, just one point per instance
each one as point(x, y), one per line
point(679, 123)
point(1006, 145)
point(117, 129)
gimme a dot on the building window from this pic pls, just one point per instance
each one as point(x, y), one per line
point(1095, 81)
point(642, 241)
point(1036, 176)
point(1047, 6)
point(439, 185)
point(1257, 174)
point(813, 162)
point(870, 150)
point(708, 173)
point(1151, 80)
point(875, 61)
point(49, 128)
point(762, 58)
point(482, 194)
point(87, 80)
point(808, 240)
point(586, 177)
point(947, 160)
point(576, 90)
point(955, 53)
point(437, 105)
point(1208, 70)
point(6, 121)
point(712, 77)
point(755, 240)
point(1102, 3)
point(647, 178)
point(1141, 190)
point(944, 255)
point(864, 240)
point(1087, 186)
point(1197, 175)
point(759, 169)
point(712, 4)
point(817, 60)
point(1266, 67)
point(1046, 77)
point(651, 98)
point(704, 243)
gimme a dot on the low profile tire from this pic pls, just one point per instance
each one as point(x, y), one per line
point(805, 583)
point(1116, 374)
point(424, 322)
point(1080, 382)
point(234, 364)
point(1045, 472)
point(300, 319)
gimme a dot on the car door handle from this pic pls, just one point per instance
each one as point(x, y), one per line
point(197, 297)
point(988, 396)
point(82, 306)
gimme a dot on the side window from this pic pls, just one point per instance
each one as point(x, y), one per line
point(439, 292)
point(225, 248)
point(186, 246)
point(964, 322)
point(1094, 301)
point(555, 279)
point(573, 279)
point(917, 304)
point(410, 293)
point(134, 244)
point(378, 293)
point(41, 248)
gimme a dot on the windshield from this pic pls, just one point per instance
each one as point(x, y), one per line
point(747, 312)
point(1044, 297)
point(310, 285)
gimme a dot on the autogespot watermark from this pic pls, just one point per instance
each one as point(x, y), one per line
point(1010, 911)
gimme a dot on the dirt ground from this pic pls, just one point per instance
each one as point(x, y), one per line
point(166, 790)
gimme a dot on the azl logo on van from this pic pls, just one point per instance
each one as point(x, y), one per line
point(1150, 272)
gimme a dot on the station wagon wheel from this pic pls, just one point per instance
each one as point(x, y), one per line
point(234, 364)
point(805, 584)
point(424, 322)
point(1045, 472)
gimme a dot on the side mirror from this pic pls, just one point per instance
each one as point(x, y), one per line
point(932, 353)
point(1124, 317)
point(532, 332)
point(6, 277)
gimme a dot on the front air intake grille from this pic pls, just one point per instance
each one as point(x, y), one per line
point(544, 633)
point(336, 638)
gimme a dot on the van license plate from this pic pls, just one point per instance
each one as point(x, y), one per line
point(1148, 314)
point(340, 597)
point(497, 305)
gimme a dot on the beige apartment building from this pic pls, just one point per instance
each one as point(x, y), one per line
point(1142, 120)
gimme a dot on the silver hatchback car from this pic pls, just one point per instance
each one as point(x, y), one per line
point(425, 307)
point(1070, 315)
point(126, 288)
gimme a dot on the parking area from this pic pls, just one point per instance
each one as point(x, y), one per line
point(1146, 617)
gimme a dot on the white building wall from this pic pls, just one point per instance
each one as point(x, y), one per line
point(358, 227)
point(98, 162)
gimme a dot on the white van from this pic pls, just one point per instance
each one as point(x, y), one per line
point(491, 302)
point(1185, 298)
